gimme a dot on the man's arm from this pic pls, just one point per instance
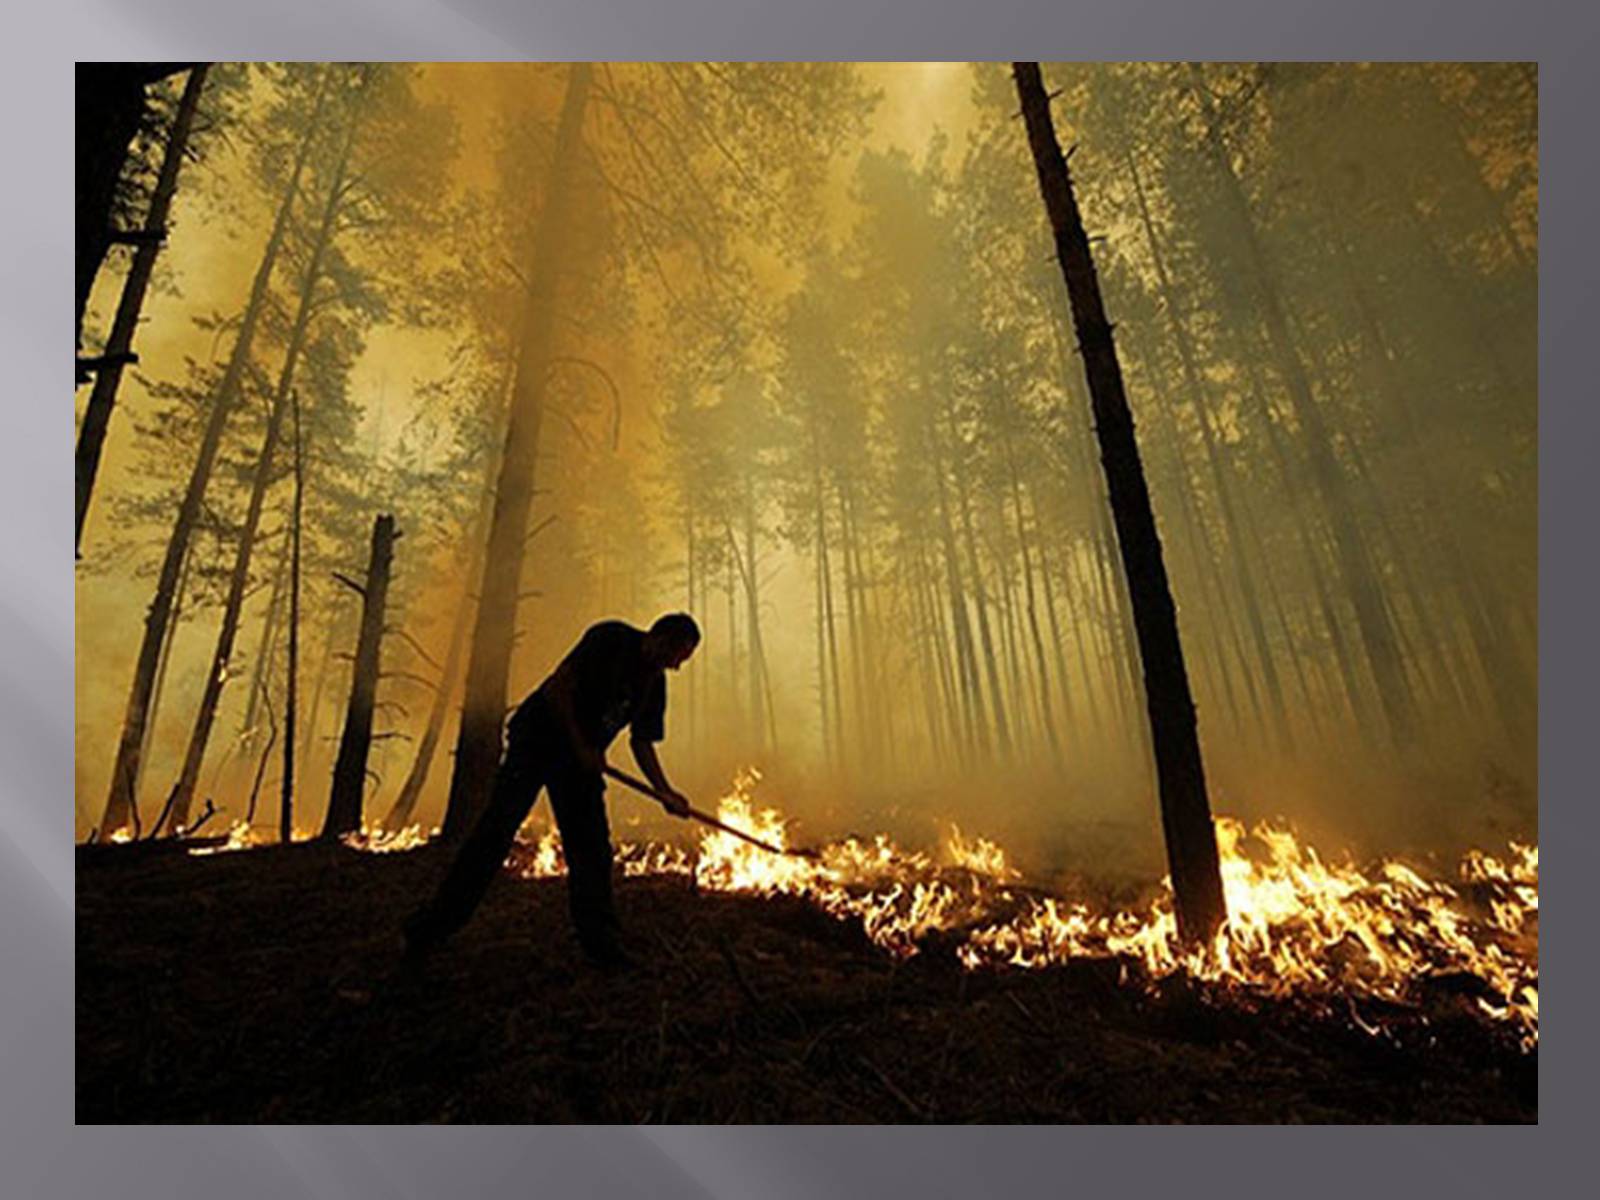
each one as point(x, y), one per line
point(644, 753)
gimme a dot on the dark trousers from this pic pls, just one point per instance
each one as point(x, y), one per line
point(536, 757)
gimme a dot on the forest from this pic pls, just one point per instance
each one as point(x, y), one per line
point(1019, 438)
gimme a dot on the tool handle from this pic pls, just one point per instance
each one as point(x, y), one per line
point(704, 818)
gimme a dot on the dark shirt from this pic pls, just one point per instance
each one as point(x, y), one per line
point(612, 686)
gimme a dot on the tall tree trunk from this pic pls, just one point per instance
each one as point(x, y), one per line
point(974, 720)
point(1057, 642)
point(159, 688)
point(125, 773)
point(836, 700)
point(1355, 697)
point(411, 791)
point(1120, 651)
point(1046, 708)
point(863, 660)
point(109, 104)
point(1010, 624)
point(735, 714)
point(1196, 388)
point(478, 744)
point(240, 578)
point(416, 779)
point(693, 682)
point(1511, 688)
point(233, 606)
point(980, 601)
point(266, 647)
point(1377, 634)
point(1185, 808)
point(760, 682)
point(829, 750)
point(350, 768)
point(337, 627)
point(1077, 617)
point(291, 686)
point(119, 348)
point(1207, 574)
point(956, 713)
point(938, 701)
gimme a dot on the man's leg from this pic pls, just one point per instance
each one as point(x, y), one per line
point(516, 787)
point(578, 799)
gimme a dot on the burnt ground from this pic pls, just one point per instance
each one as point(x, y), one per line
point(263, 986)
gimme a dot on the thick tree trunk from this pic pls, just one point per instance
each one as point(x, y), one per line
point(103, 397)
point(479, 742)
point(350, 768)
point(109, 105)
point(1185, 808)
point(125, 773)
point(1119, 649)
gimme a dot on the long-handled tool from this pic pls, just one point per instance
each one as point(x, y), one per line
point(705, 818)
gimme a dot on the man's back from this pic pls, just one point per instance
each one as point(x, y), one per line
point(610, 684)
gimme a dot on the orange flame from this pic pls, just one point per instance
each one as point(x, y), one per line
point(1297, 925)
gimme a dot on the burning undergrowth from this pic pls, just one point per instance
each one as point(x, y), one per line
point(1300, 927)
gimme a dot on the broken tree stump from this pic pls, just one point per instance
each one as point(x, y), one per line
point(350, 768)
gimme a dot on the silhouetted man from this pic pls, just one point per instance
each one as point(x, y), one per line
point(614, 676)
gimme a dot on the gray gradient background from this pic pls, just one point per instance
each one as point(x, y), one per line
point(43, 1155)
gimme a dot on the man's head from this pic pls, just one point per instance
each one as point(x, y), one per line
point(671, 640)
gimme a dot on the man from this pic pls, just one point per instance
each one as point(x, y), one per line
point(615, 676)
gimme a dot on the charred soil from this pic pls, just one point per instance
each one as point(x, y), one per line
point(266, 985)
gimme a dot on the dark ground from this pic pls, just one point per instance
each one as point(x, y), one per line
point(262, 986)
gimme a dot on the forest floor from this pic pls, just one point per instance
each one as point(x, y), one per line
point(264, 986)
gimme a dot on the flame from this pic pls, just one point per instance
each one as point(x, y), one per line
point(980, 856)
point(244, 836)
point(383, 841)
point(1298, 925)
point(240, 837)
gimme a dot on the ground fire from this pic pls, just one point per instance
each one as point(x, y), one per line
point(1298, 925)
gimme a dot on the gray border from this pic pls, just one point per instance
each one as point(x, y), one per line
point(40, 1155)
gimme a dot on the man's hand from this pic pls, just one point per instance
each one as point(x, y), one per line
point(644, 753)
